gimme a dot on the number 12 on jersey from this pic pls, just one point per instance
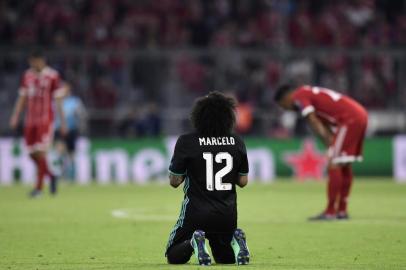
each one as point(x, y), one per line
point(218, 177)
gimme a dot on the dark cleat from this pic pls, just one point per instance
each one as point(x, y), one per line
point(198, 243)
point(239, 245)
point(343, 216)
point(35, 193)
point(323, 217)
point(53, 187)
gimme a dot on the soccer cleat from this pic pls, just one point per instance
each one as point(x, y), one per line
point(342, 216)
point(239, 245)
point(323, 217)
point(53, 185)
point(198, 243)
point(35, 193)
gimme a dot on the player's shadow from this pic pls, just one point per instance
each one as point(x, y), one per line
point(189, 265)
point(380, 220)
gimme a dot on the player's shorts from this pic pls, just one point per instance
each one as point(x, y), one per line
point(38, 137)
point(348, 142)
point(69, 139)
point(219, 240)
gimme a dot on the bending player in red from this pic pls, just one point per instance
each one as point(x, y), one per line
point(341, 123)
point(40, 86)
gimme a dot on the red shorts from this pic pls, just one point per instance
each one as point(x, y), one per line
point(348, 141)
point(38, 137)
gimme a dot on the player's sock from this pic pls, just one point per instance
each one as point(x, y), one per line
point(345, 189)
point(40, 174)
point(333, 189)
point(180, 253)
point(43, 165)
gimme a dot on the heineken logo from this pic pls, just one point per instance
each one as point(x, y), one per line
point(143, 161)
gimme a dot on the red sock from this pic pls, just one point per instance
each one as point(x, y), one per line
point(44, 166)
point(333, 189)
point(345, 188)
point(42, 171)
point(40, 174)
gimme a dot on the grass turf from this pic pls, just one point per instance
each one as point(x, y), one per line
point(76, 229)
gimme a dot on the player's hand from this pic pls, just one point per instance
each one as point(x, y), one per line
point(328, 140)
point(14, 122)
point(63, 130)
point(329, 155)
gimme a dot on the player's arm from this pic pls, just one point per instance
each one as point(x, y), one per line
point(59, 108)
point(176, 180)
point(319, 128)
point(243, 167)
point(177, 168)
point(18, 109)
point(242, 181)
point(82, 116)
point(59, 96)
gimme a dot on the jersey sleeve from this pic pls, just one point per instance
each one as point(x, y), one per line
point(244, 167)
point(302, 101)
point(178, 161)
point(57, 88)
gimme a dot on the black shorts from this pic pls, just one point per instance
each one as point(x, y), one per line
point(219, 231)
point(220, 243)
point(69, 139)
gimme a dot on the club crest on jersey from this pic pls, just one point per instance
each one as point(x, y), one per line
point(216, 141)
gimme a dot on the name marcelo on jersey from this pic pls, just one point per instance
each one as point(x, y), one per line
point(217, 141)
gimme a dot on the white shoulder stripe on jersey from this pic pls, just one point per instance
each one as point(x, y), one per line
point(48, 71)
point(307, 110)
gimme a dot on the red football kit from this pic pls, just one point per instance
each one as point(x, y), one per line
point(346, 117)
point(40, 89)
point(348, 120)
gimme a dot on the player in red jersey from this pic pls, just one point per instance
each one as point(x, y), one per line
point(341, 123)
point(40, 87)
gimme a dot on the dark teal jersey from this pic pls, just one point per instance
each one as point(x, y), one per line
point(211, 166)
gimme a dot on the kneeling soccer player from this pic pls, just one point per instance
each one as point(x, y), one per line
point(211, 161)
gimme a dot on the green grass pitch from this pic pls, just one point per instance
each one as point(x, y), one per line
point(77, 229)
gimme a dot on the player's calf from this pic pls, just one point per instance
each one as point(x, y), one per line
point(239, 245)
point(198, 243)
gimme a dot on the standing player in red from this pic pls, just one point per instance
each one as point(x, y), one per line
point(40, 86)
point(341, 123)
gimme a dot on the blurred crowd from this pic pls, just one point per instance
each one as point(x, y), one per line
point(186, 48)
point(127, 24)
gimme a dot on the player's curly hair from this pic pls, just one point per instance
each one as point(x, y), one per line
point(214, 115)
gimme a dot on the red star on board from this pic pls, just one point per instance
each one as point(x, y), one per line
point(307, 163)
